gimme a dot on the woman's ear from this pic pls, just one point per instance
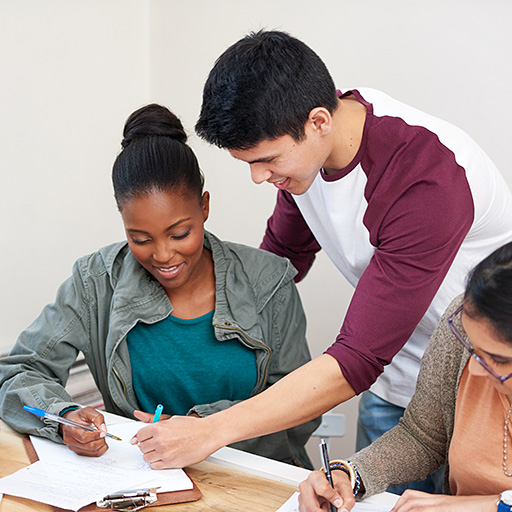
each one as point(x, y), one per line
point(205, 204)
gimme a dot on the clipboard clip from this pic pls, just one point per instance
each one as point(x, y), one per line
point(131, 500)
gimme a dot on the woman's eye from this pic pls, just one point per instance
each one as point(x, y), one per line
point(180, 237)
point(139, 242)
point(501, 362)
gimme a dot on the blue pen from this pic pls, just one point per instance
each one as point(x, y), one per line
point(158, 412)
point(64, 421)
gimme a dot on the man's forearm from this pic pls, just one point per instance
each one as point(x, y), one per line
point(300, 396)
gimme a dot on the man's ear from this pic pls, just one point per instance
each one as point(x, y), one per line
point(320, 120)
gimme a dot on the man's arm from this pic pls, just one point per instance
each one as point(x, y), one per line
point(289, 236)
point(417, 236)
point(300, 396)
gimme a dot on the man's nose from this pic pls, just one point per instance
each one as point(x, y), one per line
point(260, 173)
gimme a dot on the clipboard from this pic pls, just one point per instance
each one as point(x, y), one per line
point(165, 498)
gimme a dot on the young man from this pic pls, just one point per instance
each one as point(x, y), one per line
point(403, 203)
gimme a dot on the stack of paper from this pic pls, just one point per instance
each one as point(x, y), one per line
point(64, 479)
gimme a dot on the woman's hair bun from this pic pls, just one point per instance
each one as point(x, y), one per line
point(153, 120)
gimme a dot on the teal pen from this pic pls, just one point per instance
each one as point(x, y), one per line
point(158, 412)
point(64, 421)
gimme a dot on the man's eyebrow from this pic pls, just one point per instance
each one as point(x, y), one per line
point(264, 159)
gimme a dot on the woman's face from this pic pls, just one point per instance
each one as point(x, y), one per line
point(165, 232)
point(487, 345)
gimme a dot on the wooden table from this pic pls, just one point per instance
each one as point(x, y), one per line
point(224, 489)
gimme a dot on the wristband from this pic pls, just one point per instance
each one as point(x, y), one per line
point(357, 487)
point(67, 409)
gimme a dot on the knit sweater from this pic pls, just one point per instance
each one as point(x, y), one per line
point(419, 444)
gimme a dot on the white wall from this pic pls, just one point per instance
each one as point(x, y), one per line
point(449, 58)
point(72, 71)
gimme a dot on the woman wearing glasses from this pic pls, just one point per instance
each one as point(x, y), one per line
point(460, 414)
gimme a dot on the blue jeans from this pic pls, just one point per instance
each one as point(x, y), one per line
point(377, 416)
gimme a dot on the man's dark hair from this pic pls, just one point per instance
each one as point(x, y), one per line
point(262, 87)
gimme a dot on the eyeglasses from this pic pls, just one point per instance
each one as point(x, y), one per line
point(459, 336)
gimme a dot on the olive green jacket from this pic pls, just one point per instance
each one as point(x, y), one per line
point(257, 304)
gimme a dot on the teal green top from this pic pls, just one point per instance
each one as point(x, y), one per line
point(180, 363)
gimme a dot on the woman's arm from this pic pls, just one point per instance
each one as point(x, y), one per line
point(418, 445)
point(36, 370)
point(416, 500)
point(315, 493)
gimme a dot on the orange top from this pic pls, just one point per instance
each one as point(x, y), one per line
point(476, 448)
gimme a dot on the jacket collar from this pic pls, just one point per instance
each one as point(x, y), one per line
point(246, 280)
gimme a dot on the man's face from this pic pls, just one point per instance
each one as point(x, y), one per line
point(284, 162)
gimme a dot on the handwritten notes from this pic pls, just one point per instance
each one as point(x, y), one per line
point(64, 479)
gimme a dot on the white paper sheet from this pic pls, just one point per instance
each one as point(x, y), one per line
point(292, 505)
point(64, 484)
point(64, 479)
point(121, 454)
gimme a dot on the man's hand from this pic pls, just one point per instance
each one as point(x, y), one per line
point(175, 442)
point(90, 444)
point(298, 397)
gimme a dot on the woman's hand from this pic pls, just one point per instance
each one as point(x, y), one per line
point(425, 502)
point(147, 417)
point(90, 444)
point(176, 442)
point(316, 494)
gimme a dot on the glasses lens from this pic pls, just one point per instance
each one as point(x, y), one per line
point(469, 347)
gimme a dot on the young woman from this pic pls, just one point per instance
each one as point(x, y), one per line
point(460, 414)
point(172, 316)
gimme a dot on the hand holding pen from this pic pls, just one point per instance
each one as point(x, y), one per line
point(319, 489)
point(148, 417)
point(86, 435)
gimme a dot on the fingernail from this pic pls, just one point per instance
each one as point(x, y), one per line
point(134, 440)
point(103, 434)
point(103, 427)
point(338, 502)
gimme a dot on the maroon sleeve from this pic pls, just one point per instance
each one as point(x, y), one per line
point(416, 237)
point(288, 235)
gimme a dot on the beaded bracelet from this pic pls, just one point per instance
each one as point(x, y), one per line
point(350, 470)
point(357, 487)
